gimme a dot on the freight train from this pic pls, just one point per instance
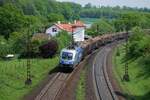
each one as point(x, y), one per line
point(72, 56)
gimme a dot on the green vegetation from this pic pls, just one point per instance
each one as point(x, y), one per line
point(52, 17)
point(18, 15)
point(13, 76)
point(21, 17)
point(80, 91)
point(115, 19)
point(100, 27)
point(13, 73)
point(138, 87)
point(139, 44)
point(129, 20)
point(63, 36)
point(124, 22)
point(90, 11)
point(17, 19)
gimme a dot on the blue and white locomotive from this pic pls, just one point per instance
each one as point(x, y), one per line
point(71, 57)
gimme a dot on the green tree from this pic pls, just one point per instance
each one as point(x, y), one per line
point(11, 20)
point(52, 17)
point(101, 27)
point(4, 47)
point(88, 5)
point(135, 49)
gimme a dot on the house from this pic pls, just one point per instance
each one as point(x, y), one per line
point(77, 28)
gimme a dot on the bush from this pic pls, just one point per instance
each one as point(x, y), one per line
point(135, 49)
point(139, 43)
point(49, 49)
point(4, 47)
point(63, 39)
point(38, 40)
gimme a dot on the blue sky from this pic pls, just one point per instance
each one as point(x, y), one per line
point(129, 3)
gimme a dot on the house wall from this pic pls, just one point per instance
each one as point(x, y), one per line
point(79, 34)
point(49, 31)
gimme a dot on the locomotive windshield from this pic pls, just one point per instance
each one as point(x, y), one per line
point(67, 56)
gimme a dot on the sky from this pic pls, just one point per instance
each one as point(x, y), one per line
point(129, 3)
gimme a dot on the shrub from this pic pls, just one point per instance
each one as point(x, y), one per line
point(4, 47)
point(38, 40)
point(63, 39)
point(49, 49)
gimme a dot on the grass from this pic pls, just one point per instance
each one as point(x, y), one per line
point(13, 76)
point(13, 73)
point(80, 91)
point(138, 88)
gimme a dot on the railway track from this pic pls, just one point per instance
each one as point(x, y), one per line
point(54, 87)
point(102, 85)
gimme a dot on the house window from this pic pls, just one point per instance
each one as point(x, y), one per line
point(54, 29)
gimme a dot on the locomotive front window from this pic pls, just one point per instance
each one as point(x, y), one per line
point(67, 56)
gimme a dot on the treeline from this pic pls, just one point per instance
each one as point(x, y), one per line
point(90, 11)
point(44, 7)
point(115, 19)
point(124, 22)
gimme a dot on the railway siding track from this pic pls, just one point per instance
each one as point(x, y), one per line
point(102, 86)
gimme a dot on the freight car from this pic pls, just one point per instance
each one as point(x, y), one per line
point(70, 57)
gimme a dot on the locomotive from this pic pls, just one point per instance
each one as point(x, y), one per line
point(70, 57)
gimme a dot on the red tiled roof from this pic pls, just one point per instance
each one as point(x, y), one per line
point(70, 27)
point(66, 27)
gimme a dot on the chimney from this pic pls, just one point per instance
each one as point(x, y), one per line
point(59, 22)
point(75, 21)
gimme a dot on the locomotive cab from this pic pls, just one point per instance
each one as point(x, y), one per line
point(70, 57)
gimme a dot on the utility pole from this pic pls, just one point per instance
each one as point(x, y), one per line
point(72, 44)
point(126, 74)
point(97, 28)
point(28, 80)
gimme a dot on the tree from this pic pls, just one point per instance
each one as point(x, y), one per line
point(134, 41)
point(130, 20)
point(4, 47)
point(101, 27)
point(88, 5)
point(67, 11)
point(11, 20)
point(53, 17)
point(49, 49)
